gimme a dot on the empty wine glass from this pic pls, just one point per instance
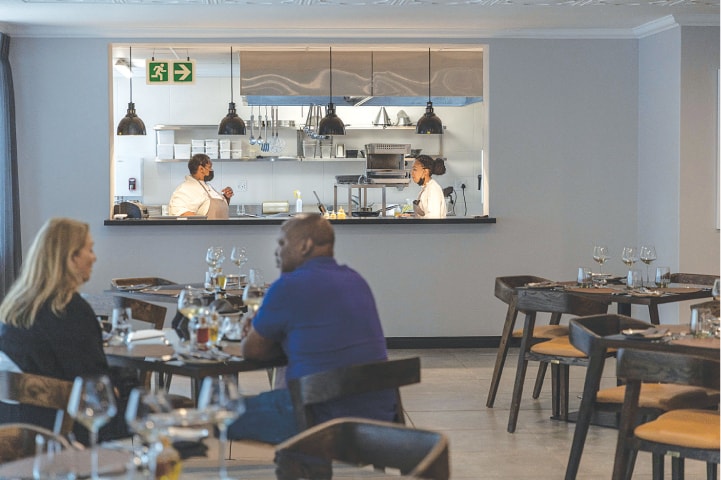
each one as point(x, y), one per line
point(92, 404)
point(629, 256)
point(239, 258)
point(214, 256)
point(255, 289)
point(647, 255)
point(220, 398)
point(142, 404)
point(600, 255)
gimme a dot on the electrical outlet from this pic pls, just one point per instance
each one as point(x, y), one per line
point(242, 185)
point(457, 184)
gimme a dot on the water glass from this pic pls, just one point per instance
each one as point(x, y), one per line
point(663, 276)
point(121, 325)
point(634, 280)
point(584, 277)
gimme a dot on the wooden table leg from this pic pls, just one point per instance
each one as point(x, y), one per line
point(510, 322)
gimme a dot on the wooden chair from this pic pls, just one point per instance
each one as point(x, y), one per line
point(557, 351)
point(586, 334)
point(39, 391)
point(505, 290)
point(322, 387)
point(681, 434)
point(416, 453)
point(17, 440)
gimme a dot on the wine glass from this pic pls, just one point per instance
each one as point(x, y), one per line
point(254, 290)
point(647, 256)
point(92, 404)
point(138, 415)
point(239, 258)
point(220, 398)
point(629, 256)
point(214, 256)
point(190, 303)
point(600, 255)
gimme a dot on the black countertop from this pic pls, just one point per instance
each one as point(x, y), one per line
point(278, 220)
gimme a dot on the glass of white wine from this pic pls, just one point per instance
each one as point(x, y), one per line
point(92, 404)
point(254, 290)
point(629, 256)
point(190, 302)
point(647, 255)
point(138, 415)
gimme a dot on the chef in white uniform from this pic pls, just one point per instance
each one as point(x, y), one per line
point(430, 203)
point(196, 197)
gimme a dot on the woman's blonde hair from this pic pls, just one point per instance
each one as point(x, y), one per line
point(46, 274)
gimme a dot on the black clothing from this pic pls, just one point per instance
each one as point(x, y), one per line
point(63, 347)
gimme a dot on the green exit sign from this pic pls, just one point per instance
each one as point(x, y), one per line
point(167, 72)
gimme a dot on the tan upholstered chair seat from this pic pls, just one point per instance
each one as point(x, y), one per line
point(663, 396)
point(544, 331)
point(684, 428)
point(560, 346)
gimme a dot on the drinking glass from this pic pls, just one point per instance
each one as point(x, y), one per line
point(239, 258)
point(255, 290)
point(220, 398)
point(138, 415)
point(214, 256)
point(629, 256)
point(715, 290)
point(92, 404)
point(663, 276)
point(121, 326)
point(647, 256)
point(600, 255)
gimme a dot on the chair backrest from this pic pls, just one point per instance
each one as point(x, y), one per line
point(505, 287)
point(585, 331)
point(39, 391)
point(352, 380)
point(665, 367)
point(143, 311)
point(693, 278)
point(557, 301)
point(17, 440)
point(416, 453)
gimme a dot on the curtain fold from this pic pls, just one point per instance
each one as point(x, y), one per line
point(10, 246)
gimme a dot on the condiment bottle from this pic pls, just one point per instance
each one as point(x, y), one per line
point(168, 465)
point(298, 202)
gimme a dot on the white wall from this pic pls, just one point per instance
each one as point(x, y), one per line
point(563, 149)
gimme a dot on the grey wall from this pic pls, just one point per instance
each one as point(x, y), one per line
point(565, 149)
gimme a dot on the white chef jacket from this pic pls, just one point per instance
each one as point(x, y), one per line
point(192, 195)
point(431, 201)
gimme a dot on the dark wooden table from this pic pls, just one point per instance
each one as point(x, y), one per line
point(594, 336)
point(162, 359)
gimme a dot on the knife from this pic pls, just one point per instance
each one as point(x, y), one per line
point(321, 207)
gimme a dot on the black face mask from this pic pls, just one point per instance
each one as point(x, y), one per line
point(421, 181)
point(210, 176)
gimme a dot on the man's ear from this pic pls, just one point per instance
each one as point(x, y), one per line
point(306, 247)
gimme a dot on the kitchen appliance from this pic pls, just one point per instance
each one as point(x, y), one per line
point(385, 163)
point(132, 209)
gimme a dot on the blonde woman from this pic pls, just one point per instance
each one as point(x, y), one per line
point(46, 327)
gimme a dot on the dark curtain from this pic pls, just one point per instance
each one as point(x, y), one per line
point(10, 247)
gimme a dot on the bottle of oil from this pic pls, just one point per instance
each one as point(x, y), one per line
point(168, 464)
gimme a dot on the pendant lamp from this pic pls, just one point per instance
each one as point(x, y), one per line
point(131, 124)
point(231, 124)
point(331, 124)
point(429, 123)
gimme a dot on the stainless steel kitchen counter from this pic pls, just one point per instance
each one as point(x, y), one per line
point(278, 220)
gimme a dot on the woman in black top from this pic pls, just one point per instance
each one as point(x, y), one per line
point(46, 327)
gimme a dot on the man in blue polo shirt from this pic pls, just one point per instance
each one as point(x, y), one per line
point(322, 316)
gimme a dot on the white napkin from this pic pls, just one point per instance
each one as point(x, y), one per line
point(147, 336)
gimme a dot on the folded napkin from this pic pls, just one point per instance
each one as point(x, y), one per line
point(149, 335)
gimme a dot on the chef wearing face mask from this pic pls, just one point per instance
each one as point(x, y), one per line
point(430, 203)
point(196, 197)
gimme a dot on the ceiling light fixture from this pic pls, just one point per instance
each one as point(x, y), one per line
point(231, 124)
point(331, 124)
point(429, 123)
point(131, 124)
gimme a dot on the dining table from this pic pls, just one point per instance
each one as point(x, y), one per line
point(596, 335)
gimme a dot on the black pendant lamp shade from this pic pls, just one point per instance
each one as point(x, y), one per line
point(429, 123)
point(231, 124)
point(331, 124)
point(131, 124)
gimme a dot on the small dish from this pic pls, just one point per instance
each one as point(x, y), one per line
point(133, 288)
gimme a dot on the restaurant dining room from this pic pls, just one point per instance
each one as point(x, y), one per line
point(341, 239)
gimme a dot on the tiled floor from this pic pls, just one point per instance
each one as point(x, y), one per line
point(452, 398)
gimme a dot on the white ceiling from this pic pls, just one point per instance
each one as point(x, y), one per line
point(350, 21)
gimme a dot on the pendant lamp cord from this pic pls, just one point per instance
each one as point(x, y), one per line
point(231, 74)
point(130, 66)
point(330, 55)
point(429, 74)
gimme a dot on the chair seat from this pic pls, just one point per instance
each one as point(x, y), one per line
point(180, 401)
point(683, 428)
point(544, 331)
point(663, 396)
point(559, 347)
